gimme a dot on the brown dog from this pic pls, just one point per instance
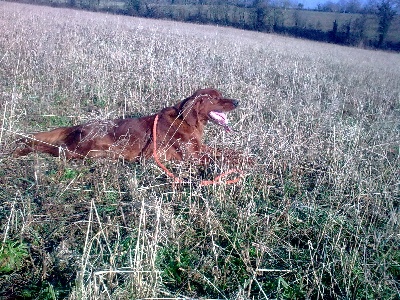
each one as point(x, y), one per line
point(179, 130)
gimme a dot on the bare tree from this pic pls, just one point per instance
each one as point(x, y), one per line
point(385, 14)
point(133, 6)
point(260, 10)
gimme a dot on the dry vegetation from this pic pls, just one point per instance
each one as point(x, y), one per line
point(317, 217)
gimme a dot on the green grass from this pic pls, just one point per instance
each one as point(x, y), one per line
point(12, 256)
point(317, 215)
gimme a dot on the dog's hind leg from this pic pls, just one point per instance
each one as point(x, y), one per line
point(47, 142)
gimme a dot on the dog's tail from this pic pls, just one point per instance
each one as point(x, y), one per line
point(48, 142)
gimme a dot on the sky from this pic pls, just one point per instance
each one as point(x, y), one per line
point(311, 3)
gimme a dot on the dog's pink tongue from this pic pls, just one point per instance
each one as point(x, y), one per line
point(221, 119)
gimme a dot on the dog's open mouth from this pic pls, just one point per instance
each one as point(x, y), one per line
point(220, 118)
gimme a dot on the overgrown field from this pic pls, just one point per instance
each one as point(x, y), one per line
point(316, 217)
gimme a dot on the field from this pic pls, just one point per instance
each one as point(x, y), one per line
point(305, 19)
point(324, 21)
point(315, 217)
point(360, 30)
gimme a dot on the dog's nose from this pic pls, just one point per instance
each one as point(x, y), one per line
point(235, 102)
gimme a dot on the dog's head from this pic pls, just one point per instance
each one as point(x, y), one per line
point(206, 105)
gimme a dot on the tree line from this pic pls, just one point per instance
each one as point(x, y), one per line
point(279, 16)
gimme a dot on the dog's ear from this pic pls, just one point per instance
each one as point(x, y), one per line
point(190, 110)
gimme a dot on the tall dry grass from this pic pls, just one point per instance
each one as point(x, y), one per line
point(317, 217)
